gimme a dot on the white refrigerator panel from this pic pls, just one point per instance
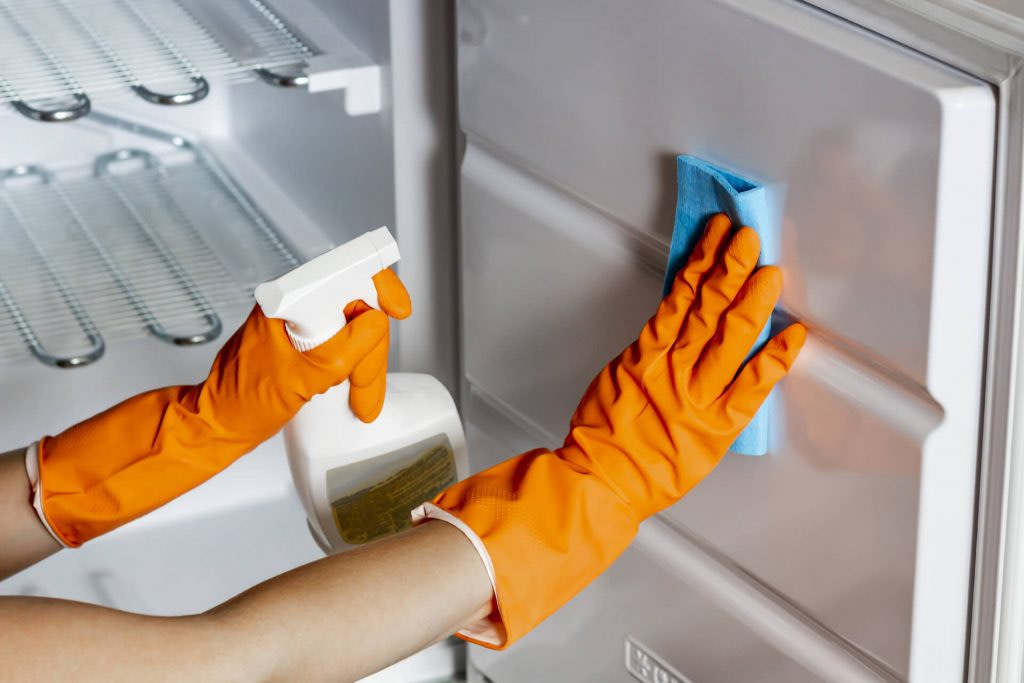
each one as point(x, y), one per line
point(880, 161)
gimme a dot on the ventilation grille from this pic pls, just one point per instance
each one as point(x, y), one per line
point(137, 244)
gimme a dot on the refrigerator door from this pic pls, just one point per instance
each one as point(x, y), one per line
point(858, 523)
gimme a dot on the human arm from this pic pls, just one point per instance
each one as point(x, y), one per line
point(23, 538)
point(654, 422)
point(651, 426)
point(337, 619)
point(147, 450)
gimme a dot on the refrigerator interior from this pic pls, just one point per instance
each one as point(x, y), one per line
point(223, 143)
point(571, 114)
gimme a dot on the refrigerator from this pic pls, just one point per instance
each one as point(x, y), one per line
point(159, 158)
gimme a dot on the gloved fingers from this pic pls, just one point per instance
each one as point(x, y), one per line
point(702, 260)
point(717, 292)
point(367, 401)
point(737, 333)
point(369, 376)
point(392, 295)
point(368, 381)
point(356, 308)
point(749, 390)
point(345, 350)
point(662, 330)
point(373, 364)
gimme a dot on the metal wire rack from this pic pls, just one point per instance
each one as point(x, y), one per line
point(57, 56)
point(136, 244)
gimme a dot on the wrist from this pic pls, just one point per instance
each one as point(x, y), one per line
point(549, 527)
point(485, 627)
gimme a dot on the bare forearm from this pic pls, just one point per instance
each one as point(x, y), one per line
point(352, 614)
point(23, 540)
point(60, 640)
point(336, 619)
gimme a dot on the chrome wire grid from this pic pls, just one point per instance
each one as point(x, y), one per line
point(56, 56)
point(137, 244)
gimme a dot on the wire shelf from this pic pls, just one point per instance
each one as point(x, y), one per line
point(57, 56)
point(136, 244)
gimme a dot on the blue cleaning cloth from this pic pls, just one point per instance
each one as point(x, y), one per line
point(704, 190)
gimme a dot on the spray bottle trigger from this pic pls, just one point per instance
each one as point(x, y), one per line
point(366, 292)
point(312, 298)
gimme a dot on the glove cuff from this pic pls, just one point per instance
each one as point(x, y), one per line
point(32, 470)
point(548, 528)
point(487, 630)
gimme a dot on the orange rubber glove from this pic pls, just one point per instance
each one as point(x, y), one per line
point(151, 448)
point(651, 426)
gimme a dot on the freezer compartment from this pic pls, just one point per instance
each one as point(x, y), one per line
point(62, 57)
point(160, 221)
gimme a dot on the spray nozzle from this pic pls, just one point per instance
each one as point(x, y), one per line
point(312, 298)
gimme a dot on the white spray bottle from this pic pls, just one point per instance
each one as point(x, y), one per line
point(358, 481)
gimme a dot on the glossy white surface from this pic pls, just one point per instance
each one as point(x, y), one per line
point(326, 443)
point(574, 112)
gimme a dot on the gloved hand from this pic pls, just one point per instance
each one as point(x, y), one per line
point(651, 426)
point(151, 448)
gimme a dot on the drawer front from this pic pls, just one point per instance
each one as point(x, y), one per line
point(598, 98)
point(664, 613)
point(880, 160)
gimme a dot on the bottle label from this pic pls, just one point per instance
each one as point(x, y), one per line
point(367, 510)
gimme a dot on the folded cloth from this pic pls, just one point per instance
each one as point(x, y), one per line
point(702, 191)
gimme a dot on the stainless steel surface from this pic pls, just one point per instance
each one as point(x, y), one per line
point(132, 243)
point(59, 55)
point(573, 115)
